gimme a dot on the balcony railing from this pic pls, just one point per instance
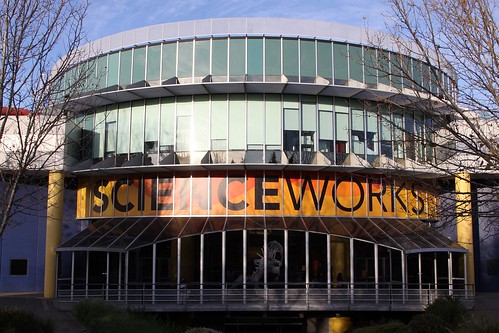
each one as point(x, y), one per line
point(270, 297)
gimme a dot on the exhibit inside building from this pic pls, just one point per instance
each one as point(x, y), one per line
point(253, 164)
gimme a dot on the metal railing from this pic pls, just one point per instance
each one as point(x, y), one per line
point(260, 297)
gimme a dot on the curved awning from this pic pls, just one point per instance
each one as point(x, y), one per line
point(124, 234)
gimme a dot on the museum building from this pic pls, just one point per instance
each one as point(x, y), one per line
point(256, 165)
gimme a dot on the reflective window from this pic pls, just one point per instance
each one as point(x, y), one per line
point(371, 136)
point(125, 68)
point(99, 133)
point(201, 121)
point(137, 130)
point(167, 128)
point(341, 130)
point(272, 59)
point(256, 122)
point(324, 60)
point(153, 63)
point(169, 61)
point(123, 128)
point(202, 58)
point(139, 64)
point(219, 122)
point(185, 60)
point(101, 72)
point(113, 69)
point(110, 134)
point(307, 61)
point(151, 145)
point(356, 64)
point(358, 136)
point(273, 122)
point(383, 66)
point(255, 59)
point(219, 57)
point(340, 63)
point(184, 113)
point(370, 66)
point(237, 59)
point(290, 59)
point(237, 123)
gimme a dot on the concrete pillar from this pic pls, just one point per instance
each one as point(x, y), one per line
point(464, 221)
point(55, 208)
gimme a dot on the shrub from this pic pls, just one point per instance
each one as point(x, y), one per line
point(449, 309)
point(427, 323)
point(478, 325)
point(390, 327)
point(201, 330)
point(20, 321)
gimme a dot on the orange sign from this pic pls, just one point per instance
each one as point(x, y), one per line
point(272, 194)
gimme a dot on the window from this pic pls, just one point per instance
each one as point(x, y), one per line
point(19, 267)
point(307, 61)
point(125, 68)
point(153, 61)
point(340, 64)
point(324, 60)
point(169, 61)
point(219, 58)
point(185, 60)
point(272, 59)
point(202, 61)
point(255, 59)
point(237, 59)
point(139, 65)
point(290, 59)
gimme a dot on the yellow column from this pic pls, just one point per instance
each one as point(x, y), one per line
point(464, 221)
point(55, 206)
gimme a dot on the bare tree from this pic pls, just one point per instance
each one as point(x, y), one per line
point(39, 44)
point(460, 38)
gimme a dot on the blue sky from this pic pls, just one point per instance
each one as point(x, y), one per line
point(106, 17)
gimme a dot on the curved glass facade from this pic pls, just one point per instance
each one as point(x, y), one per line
point(252, 171)
point(259, 59)
point(256, 128)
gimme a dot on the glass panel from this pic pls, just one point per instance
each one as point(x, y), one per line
point(237, 59)
point(237, 122)
point(167, 128)
point(356, 63)
point(309, 127)
point(410, 146)
point(364, 263)
point(184, 112)
point(386, 133)
point(399, 135)
point(99, 133)
point(123, 128)
point(189, 272)
point(202, 62)
point(234, 259)
point(296, 267)
point(307, 61)
point(219, 57)
point(212, 257)
point(255, 259)
point(151, 128)
point(272, 58)
point(273, 122)
point(112, 72)
point(256, 121)
point(340, 63)
point(255, 59)
point(153, 61)
point(341, 130)
point(110, 140)
point(340, 261)
point(101, 72)
point(169, 61)
point(324, 60)
point(139, 64)
point(290, 59)
point(219, 122)
point(370, 64)
point(166, 257)
point(185, 59)
point(201, 119)
point(125, 68)
point(358, 135)
point(318, 260)
point(137, 130)
point(275, 255)
point(396, 70)
point(383, 67)
point(372, 136)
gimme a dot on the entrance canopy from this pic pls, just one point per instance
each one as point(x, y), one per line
point(124, 234)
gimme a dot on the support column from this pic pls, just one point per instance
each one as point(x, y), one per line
point(53, 235)
point(464, 222)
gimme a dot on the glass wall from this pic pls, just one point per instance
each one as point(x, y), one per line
point(263, 59)
point(256, 128)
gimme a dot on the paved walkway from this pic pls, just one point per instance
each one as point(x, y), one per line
point(64, 321)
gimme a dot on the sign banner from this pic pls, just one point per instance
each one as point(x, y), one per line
point(271, 194)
